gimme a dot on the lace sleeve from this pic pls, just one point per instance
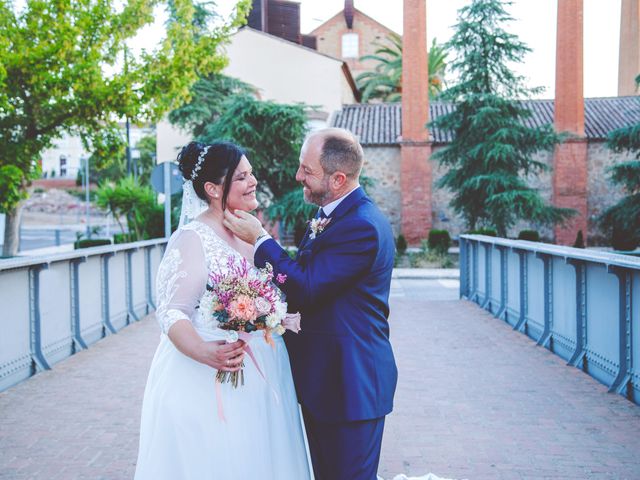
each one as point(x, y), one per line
point(181, 279)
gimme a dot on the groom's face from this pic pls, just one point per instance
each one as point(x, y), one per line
point(315, 182)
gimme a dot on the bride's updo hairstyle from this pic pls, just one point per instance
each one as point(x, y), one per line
point(215, 163)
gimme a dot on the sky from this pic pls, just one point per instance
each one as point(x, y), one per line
point(534, 23)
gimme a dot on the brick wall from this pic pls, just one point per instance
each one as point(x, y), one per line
point(329, 39)
point(382, 164)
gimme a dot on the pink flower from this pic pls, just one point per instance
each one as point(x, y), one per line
point(292, 322)
point(243, 308)
point(281, 278)
point(262, 306)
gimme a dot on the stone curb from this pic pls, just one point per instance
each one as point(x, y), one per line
point(426, 274)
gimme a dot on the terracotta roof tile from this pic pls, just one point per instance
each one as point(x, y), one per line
point(381, 123)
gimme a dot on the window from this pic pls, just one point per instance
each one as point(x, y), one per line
point(63, 166)
point(350, 45)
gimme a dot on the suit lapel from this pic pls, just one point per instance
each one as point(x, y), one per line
point(342, 209)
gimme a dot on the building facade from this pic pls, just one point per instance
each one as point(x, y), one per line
point(307, 76)
point(379, 126)
point(64, 158)
point(349, 35)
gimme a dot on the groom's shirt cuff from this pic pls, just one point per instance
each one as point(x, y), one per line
point(264, 237)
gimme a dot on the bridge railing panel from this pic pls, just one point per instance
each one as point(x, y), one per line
point(583, 305)
point(54, 306)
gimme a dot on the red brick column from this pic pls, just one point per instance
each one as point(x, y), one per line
point(415, 171)
point(570, 159)
point(629, 53)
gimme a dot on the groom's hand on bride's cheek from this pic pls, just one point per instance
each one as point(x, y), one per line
point(244, 225)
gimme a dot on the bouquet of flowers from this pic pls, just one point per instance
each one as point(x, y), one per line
point(242, 300)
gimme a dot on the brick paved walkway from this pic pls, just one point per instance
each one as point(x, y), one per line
point(475, 400)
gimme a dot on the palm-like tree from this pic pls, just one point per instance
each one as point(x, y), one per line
point(385, 81)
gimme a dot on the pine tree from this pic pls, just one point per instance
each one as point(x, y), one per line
point(491, 154)
point(622, 220)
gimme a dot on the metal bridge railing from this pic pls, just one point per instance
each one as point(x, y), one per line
point(581, 304)
point(53, 306)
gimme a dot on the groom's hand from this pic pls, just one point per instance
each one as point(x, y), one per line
point(243, 225)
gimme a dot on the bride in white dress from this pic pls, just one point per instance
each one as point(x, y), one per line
point(189, 428)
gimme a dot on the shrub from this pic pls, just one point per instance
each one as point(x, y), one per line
point(579, 243)
point(124, 238)
point(623, 240)
point(439, 241)
point(91, 242)
point(530, 235)
point(401, 244)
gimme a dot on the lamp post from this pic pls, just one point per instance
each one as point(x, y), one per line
point(135, 156)
point(85, 160)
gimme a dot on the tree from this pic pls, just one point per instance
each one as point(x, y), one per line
point(385, 81)
point(137, 203)
point(147, 161)
point(622, 220)
point(271, 133)
point(65, 67)
point(207, 102)
point(491, 154)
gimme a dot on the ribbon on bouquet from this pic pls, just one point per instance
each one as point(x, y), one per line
point(246, 338)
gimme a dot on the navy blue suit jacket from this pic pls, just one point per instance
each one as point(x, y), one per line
point(342, 361)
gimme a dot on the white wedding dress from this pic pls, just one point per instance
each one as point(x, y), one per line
point(255, 432)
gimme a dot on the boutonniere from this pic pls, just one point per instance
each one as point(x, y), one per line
point(317, 226)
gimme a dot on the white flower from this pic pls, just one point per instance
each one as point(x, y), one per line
point(232, 336)
point(205, 307)
point(279, 330)
point(262, 305)
point(281, 310)
point(272, 320)
point(317, 225)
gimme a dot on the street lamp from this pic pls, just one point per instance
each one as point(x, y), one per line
point(85, 161)
point(135, 156)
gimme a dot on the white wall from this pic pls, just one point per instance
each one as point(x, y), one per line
point(282, 72)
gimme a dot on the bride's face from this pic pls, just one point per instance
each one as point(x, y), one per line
point(242, 193)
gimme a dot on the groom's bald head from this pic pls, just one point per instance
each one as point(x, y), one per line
point(340, 151)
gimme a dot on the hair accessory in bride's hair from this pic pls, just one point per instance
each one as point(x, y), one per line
point(199, 163)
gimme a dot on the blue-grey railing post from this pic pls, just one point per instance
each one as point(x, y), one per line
point(623, 377)
point(107, 327)
point(524, 290)
point(129, 282)
point(475, 295)
point(147, 262)
point(78, 341)
point(487, 276)
point(504, 281)
point(57, 232)
point(35, 332)
point(545, 338)
point(577, 359)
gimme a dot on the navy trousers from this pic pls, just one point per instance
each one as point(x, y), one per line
point(344, 451)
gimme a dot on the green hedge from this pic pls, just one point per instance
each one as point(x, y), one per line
point(439, 241)
point(530, 235)
point(401, 244)
point(91, 242)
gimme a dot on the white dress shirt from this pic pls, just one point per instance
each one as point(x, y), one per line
point(327, 209)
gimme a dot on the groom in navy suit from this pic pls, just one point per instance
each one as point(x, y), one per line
point(342, 361)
